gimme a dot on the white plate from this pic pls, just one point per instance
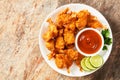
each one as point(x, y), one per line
point(74, 70)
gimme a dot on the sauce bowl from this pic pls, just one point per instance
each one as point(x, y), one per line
point(89, 42)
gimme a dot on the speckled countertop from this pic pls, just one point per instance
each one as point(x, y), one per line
point(20, 57)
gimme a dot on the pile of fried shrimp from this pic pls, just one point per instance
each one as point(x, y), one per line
point(60, 36)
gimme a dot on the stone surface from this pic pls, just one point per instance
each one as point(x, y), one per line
point(20, 57)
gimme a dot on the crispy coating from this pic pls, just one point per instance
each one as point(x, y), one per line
point(52, 31)
point(68, 61)
point(61, 51)
point(70, 26)
point(82, 19)
point(61, 31)
point(65, 17)
point(93, 22)
point(77, 61)
point(60, 44)
point(47, 36)
point(69, 37)
point(60, 60)
point(50, 45)
point(70, 46)
point(52, 28)
point(73, 54)
point(51, 55)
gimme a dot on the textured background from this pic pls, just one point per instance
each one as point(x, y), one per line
point(20, 57)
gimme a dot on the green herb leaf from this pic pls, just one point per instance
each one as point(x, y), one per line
point(108, 41)
point(105, 48)
point(105, 33)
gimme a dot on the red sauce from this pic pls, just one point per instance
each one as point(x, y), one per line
point(89, 41)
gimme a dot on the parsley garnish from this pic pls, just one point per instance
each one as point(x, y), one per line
point(107, 39)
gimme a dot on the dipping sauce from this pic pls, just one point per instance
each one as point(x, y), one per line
point(89, 42)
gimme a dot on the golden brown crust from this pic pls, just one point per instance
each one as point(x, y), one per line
point(69, 37)
point(93, 22)
point(50, 45)
point(60, 44)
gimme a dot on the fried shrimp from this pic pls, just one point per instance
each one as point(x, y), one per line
point(61, 33)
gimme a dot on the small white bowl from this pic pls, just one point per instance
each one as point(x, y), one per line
point(76, 42)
